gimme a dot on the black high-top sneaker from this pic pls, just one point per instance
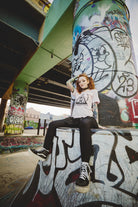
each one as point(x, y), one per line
point(82, 183)
point(43, 153)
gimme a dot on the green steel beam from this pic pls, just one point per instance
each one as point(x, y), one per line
point(57, 41)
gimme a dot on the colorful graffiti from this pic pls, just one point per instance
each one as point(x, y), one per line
point(133, 109)
point(114, 172)
point(17, 143)
point(31, 124)
point(102, 48)
point(16, 113)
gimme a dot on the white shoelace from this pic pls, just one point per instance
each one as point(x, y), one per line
point(40, 150)
point(83, 171)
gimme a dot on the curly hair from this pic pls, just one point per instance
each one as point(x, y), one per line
point(90, 85)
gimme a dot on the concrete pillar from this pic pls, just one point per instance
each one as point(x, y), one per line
point(2, 113)
point(16, 113)
point(103, 49)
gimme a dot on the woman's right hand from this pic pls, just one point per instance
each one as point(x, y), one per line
point(101, 127)
point(69, 83)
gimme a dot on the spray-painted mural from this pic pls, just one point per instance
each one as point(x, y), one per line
point(108, 62)
point(15, 119)
point(13, 144)
point(113, 179)
point(102, 48)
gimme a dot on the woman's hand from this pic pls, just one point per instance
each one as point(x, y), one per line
point(101, 127)
point(69, 83)
point(71, 80)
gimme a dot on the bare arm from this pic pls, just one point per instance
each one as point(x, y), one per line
point(69, 83)
point(95, 112)
point(95, 115)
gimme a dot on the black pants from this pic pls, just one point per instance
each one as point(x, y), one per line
point(84, 124)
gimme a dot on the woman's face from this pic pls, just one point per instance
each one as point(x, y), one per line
point(83, 82)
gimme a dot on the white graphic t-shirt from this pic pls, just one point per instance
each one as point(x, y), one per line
point(83, 102)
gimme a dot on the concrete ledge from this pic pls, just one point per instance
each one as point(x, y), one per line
point(16, 143)
point(113, 179)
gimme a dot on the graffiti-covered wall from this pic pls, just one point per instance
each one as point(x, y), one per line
point(113, 179)
point(103, 49)
point(16, 112)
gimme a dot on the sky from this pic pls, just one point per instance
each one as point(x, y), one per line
point(50, 1)
point(133, 9)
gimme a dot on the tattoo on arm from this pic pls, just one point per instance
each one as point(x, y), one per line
point(69, 83)
point(95, 112)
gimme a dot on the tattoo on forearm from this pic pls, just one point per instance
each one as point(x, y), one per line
point(95, 111)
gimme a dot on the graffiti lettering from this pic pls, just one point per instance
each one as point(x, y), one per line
point(126, 83)
point(113, 166)
point(122, 39)
point(108, 62)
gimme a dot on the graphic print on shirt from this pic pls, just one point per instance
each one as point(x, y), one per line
point(83, 99)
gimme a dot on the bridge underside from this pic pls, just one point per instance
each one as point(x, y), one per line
point(20, 42)
point(50, 88)
point(13, 56)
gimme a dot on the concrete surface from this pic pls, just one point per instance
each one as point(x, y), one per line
point(27, 132)
point(15, 170)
